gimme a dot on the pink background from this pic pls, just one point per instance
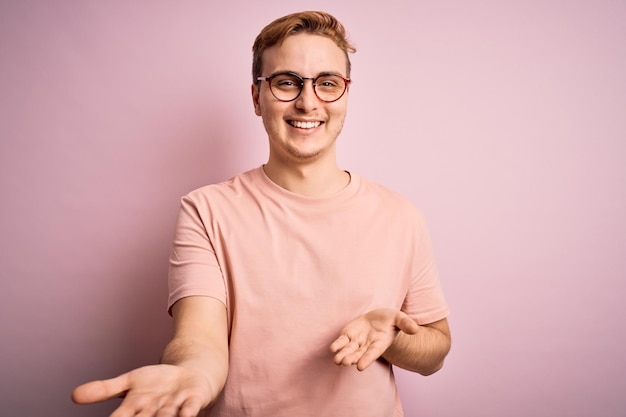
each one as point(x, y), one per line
point(503, 120)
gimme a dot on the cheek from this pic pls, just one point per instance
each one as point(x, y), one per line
point(339, 113)
point(272, 120)
point(271, 111)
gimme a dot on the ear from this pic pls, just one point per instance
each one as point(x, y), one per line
point(255, 99)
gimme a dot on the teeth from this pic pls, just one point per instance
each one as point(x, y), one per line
point(304, 125)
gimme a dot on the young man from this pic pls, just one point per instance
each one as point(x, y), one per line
point(294, 286)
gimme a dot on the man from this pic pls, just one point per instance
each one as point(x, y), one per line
point(295, 286)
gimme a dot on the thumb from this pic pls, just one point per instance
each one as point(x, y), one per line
point(98, 391)
point(406, 324)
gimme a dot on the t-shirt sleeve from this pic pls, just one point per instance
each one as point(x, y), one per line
point(194, 269)
point(424, 301)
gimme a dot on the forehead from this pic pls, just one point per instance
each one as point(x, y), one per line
point(305, 54)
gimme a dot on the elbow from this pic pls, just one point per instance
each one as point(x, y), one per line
point(431, 369)
point(438, 359)
point(437, 362)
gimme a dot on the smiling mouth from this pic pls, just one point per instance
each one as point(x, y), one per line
point(304, 125)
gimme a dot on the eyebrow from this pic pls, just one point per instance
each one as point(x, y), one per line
point(319, 74)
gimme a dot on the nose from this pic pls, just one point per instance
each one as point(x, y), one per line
point(307, 100)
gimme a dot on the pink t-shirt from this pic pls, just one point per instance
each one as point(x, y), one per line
point(293, 271)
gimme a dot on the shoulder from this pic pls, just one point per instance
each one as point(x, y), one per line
point(387, 197)
point(231, 189)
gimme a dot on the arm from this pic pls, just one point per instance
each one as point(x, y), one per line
point(396, 337)
point(192, 372)
point(200, 339)
point(423, 352)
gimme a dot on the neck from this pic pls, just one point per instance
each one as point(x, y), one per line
point(312, 180)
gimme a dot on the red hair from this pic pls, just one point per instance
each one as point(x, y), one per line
point(315, 23)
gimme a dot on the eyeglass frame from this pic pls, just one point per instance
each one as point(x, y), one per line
point(302, 79)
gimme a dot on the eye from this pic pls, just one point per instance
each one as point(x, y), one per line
point(329, 82)
point(285, 81)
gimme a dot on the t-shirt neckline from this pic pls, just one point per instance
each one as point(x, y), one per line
point(271, 187)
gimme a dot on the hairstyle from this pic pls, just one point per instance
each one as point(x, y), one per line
point(315, 23)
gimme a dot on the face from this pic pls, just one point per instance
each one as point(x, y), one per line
point(305, 129)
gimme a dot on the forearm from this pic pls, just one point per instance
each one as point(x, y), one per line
point(200, 341)
point(200, 356)
point(423, 352)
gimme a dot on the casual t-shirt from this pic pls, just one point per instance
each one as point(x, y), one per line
point(292, 272)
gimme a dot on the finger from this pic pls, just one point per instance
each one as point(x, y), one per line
point(97, 391)
point(149, 410)
point(190, 408)
point(339, 343)
point(126, 409)
point(369, 357)
point(406, 324)
point(138, 405)
point(124, 412)
point(184, 404)
point(350, 354)
point(168, 410)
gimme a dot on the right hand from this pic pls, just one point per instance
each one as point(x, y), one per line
point(152, 391)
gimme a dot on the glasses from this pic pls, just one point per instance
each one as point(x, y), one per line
point(287, 86)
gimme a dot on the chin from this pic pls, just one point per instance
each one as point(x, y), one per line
point(304, 156)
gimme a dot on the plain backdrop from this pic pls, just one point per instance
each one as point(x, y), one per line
point(503, 121)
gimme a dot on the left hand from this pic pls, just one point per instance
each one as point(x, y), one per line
point(367, 337)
